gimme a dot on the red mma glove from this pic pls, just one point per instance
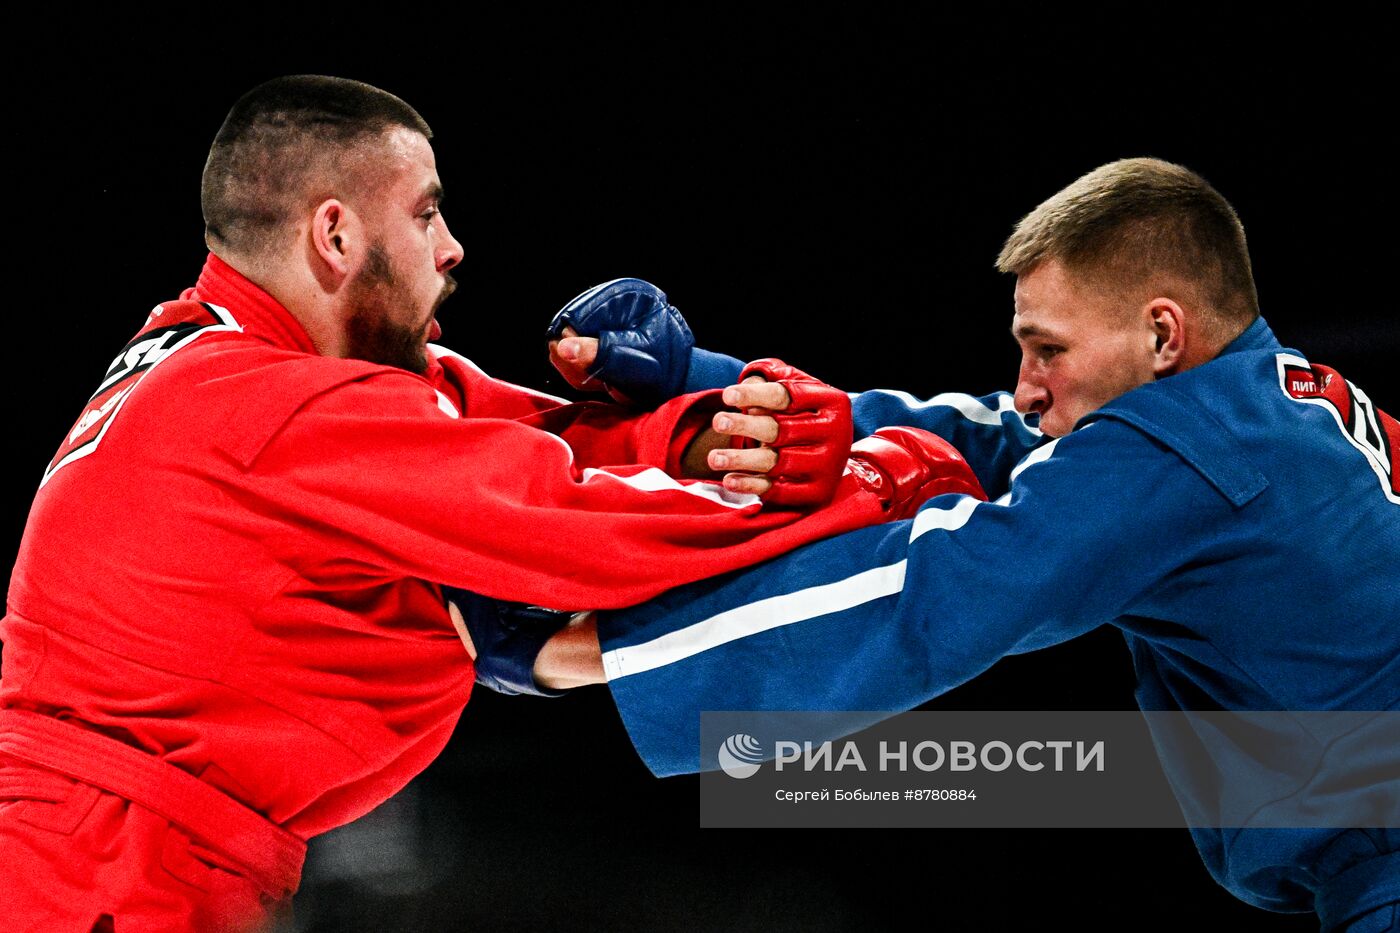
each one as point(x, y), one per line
point(906, 467)
point(814, 436)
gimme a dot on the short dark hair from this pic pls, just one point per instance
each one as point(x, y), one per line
point(282, 145)
point(1130, 220)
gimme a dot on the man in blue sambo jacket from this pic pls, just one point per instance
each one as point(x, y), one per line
point(1165, 465)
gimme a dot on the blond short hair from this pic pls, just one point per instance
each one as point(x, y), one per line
point(1136, 222)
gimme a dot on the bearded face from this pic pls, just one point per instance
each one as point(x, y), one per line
point(385, 327)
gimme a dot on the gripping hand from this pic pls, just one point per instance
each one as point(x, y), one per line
point(813, 436)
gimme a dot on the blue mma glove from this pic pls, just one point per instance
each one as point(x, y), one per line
point(507, 637)
point(643, 342)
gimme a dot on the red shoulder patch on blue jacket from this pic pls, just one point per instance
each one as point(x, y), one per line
point(1365, 425)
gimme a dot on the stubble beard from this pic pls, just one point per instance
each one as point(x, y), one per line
point(373, 332)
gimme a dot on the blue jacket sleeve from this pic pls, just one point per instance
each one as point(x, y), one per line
point(709, 370)
point(887, 617)
point(987, 431)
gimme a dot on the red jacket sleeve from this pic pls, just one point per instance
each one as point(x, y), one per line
point(600, 433)
point(383, 477)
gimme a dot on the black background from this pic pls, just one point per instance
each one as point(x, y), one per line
point(832, 190)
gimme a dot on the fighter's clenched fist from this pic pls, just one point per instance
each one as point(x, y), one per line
point(636, 345)
point(625, 337)
point(906, 467)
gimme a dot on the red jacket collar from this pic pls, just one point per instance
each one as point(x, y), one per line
point(261, 315)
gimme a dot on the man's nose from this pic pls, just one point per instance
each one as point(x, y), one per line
point(1031, 396)
point(449, 251)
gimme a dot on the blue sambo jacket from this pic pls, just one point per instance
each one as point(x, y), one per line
point(1239, 522)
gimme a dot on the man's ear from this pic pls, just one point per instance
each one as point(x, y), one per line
point(1168, 323)
point(334, 236)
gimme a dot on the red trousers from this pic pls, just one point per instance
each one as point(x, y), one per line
point(128, 844)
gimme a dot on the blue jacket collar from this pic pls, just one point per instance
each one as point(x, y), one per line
point(1256, 336)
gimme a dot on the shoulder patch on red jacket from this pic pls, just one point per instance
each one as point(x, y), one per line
point(169, 327)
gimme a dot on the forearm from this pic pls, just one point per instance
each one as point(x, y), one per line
point(695, 460)
point(572, 657)
point(606, 435)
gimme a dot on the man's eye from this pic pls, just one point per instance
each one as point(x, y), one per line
point(1050, 351)
point(429, 214)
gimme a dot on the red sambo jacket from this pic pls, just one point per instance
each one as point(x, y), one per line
point(226, 565)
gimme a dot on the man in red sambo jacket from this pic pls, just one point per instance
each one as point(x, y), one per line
point(218, 639)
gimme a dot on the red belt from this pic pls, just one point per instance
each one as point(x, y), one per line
point(271, 855)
